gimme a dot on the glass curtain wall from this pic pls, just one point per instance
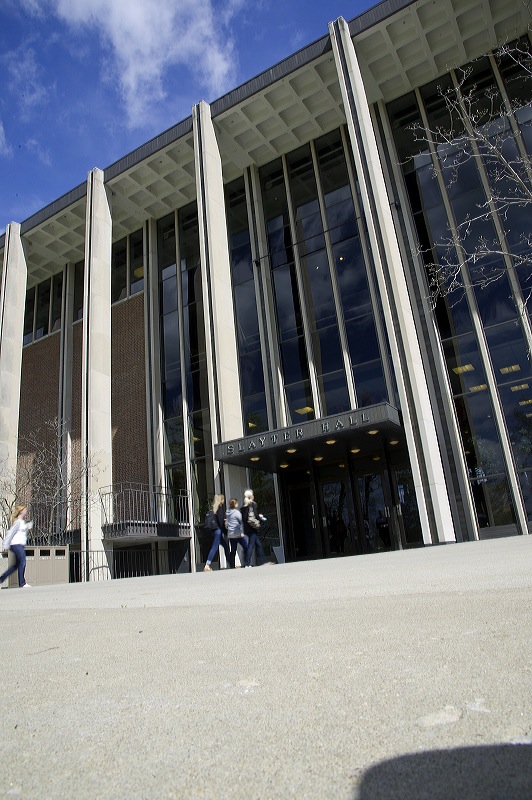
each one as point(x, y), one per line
point(294, 357)
point(183, 363)
point(349, 264)
point(127, 266)
point(494, 304)
point(518, 87)
point(318, 297)
point(43, 309)
point(172, 392)
point(198, 428)
point(255, 416)
point(327, 240)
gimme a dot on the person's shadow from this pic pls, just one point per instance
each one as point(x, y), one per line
point(498, 772)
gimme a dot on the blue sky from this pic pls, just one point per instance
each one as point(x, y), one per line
point(84, 82)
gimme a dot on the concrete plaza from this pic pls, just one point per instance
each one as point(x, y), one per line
point(382, 677)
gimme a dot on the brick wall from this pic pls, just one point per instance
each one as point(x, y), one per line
point(39, 401)
point(128, 392)
point(40, 393)
point(77, 340)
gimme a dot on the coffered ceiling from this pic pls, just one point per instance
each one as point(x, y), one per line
point(399, 46)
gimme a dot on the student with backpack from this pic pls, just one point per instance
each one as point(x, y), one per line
point(215, 523)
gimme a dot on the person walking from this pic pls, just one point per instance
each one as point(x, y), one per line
point(235, 533)
point(252, 519)
point(218, 508)
point(15, 540)
point(383, 529)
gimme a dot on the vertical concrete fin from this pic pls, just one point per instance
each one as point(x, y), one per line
point(222, 358)
point(96, 434)
point(12, 305)
point(433, 501)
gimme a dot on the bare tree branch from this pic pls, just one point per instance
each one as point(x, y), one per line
point(480, 127)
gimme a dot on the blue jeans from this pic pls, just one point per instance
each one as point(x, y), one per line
point(217, 540)
point(254, 541)
point(20, 564)
point(233, 544)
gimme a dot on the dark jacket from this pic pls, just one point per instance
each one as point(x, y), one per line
point(220, 516)
point(248, 530)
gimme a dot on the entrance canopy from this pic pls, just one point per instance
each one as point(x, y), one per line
point(360, 432)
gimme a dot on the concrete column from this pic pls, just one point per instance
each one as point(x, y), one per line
point(420, 429)
point(64, 412)
point(222, 358)
point(12, 305)
point(153, 365)
point(96, 438)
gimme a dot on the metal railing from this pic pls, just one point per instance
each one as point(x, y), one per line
point(98, 565)
point(55, 522)
point(127, 502)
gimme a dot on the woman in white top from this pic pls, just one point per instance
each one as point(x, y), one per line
point(15, 541)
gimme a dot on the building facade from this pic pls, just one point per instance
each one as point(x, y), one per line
point(244, 301)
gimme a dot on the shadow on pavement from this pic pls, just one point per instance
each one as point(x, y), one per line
point(498, 772)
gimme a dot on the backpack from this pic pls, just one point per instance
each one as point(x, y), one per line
point(252, 519)
point(211, 522)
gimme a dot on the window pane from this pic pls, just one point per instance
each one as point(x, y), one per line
point(174, 440)
point(173, 395)
point(479, 435)
point(29, 314)
point(247, 318)
point(78, 290)
point(362, 338)
point(169, 295)
point(170, 343)
point(251, 375)
point(197, 388)
point(255, 414)
point(525, 479)
point(294, 360)
point(493, 501)
point(352, 278)
point(464, 364)
point(166, 246)
point(42, 315)
point(299, 402)
point(119, 271)
point(327, 350)
point(200, 434)
point(136, 262)
point(334, 394)
point(509, 352)
point(287, 301)
point(321, 309)
point(57, 301)
point(516, 400)
point(370, 385)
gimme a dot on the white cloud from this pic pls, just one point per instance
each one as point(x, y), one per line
point(24, 80)
point(43, 155)
point(147, 39)
point(5, 148)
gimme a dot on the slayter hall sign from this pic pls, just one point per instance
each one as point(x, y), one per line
point(382, 414)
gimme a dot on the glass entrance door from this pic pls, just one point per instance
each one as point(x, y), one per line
point(375, 505)
point(340, 531)
point(304, 542)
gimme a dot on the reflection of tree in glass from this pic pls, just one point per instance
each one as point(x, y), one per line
point(264, 493)
point(175, 440)
point(522, 441)
point(255, 422)
point(471, 124)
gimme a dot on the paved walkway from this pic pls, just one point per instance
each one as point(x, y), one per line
point(382, 677)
